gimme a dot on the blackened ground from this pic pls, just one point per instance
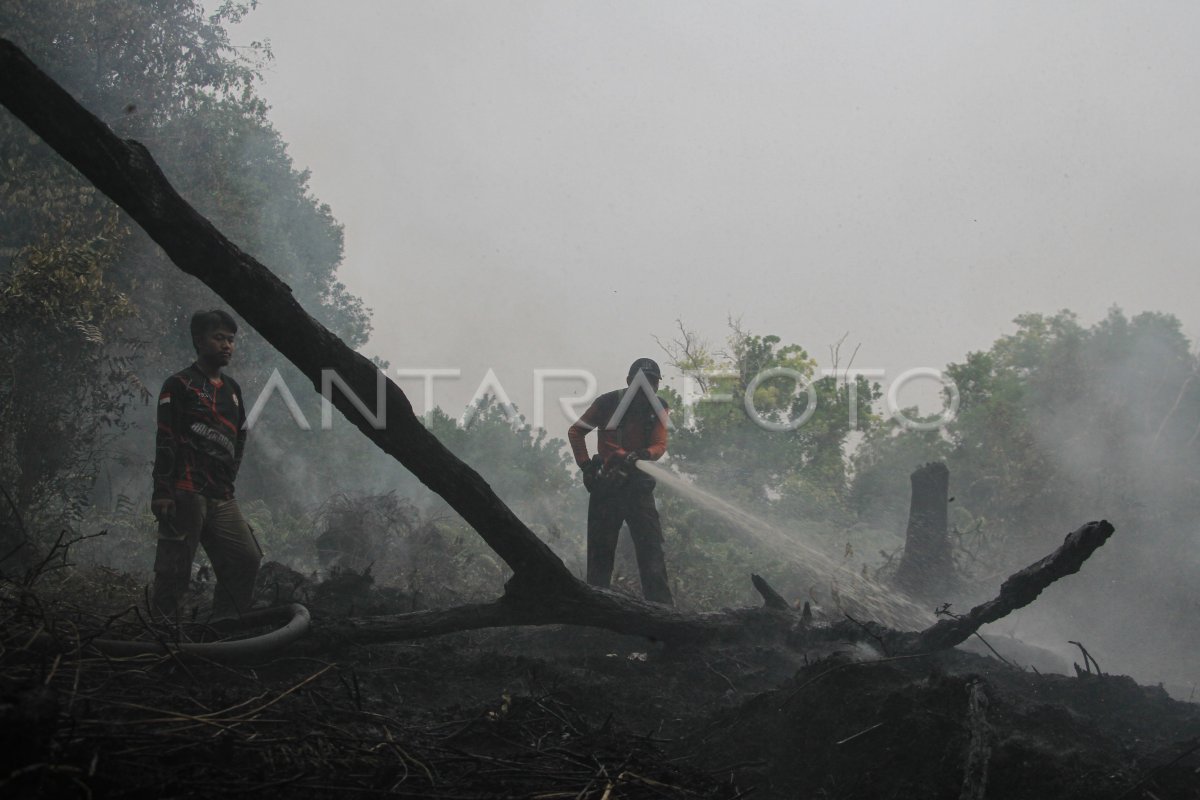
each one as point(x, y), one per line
point(902, 728)
point(561, 713)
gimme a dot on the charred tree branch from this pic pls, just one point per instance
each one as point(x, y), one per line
point(979, 748)
point(771, 598)
point(1018, 591)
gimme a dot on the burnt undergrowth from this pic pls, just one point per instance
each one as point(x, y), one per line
point(554, 712)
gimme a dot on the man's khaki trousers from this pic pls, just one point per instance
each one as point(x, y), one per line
point(218, 526)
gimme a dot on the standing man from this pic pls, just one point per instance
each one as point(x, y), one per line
point(201, 437)
point(631, 425)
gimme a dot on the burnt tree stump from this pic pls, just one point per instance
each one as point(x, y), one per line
point(927, 568)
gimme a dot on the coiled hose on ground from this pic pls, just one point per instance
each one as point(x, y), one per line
point(251, 649)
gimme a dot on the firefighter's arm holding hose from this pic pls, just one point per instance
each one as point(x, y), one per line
point(575, 436)
point(649, 443)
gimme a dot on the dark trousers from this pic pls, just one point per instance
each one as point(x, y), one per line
point(635, 506)
point(231, 547)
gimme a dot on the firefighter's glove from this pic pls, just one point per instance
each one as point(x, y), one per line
point(637, 455)
point(163, 509)
point(591, 471)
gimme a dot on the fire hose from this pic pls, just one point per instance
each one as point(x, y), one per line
point(255, 647)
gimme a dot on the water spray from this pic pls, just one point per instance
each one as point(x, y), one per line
point(884, 604)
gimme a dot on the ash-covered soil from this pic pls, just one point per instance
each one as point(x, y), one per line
point(572, 713)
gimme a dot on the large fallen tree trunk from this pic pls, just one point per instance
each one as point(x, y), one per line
point(542, 590)
point(625, 615)
point(595, 608)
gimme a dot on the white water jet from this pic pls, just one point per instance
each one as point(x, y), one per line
point(885, 604)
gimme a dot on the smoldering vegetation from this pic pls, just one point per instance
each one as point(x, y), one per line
point(1057, 423)
point(1060, 422)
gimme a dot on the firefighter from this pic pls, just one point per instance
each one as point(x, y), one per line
point(630, 425)
point(200, 441)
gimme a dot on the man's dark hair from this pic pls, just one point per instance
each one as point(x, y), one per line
point(648, 366)
point(205, 321)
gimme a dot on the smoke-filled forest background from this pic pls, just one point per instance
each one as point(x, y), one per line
point(1059, 422)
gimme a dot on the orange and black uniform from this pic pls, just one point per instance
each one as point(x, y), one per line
point(641, 430)
point(201, 438)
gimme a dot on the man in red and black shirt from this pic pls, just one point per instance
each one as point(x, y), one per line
point(630, 424)
point(201, 438)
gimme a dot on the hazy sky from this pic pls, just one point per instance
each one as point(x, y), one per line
point(549, 184)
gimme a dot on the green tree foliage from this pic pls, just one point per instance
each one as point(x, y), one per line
point(530, 472)
point(1057, 423)
point(782, 457)
point(771, 430)
point(67, 373)
point(1060, 424)
point(165, 73)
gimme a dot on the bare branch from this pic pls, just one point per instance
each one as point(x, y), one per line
point(1021, 588)
point(689, 354)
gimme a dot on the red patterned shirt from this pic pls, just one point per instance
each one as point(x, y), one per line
point(201, 435)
